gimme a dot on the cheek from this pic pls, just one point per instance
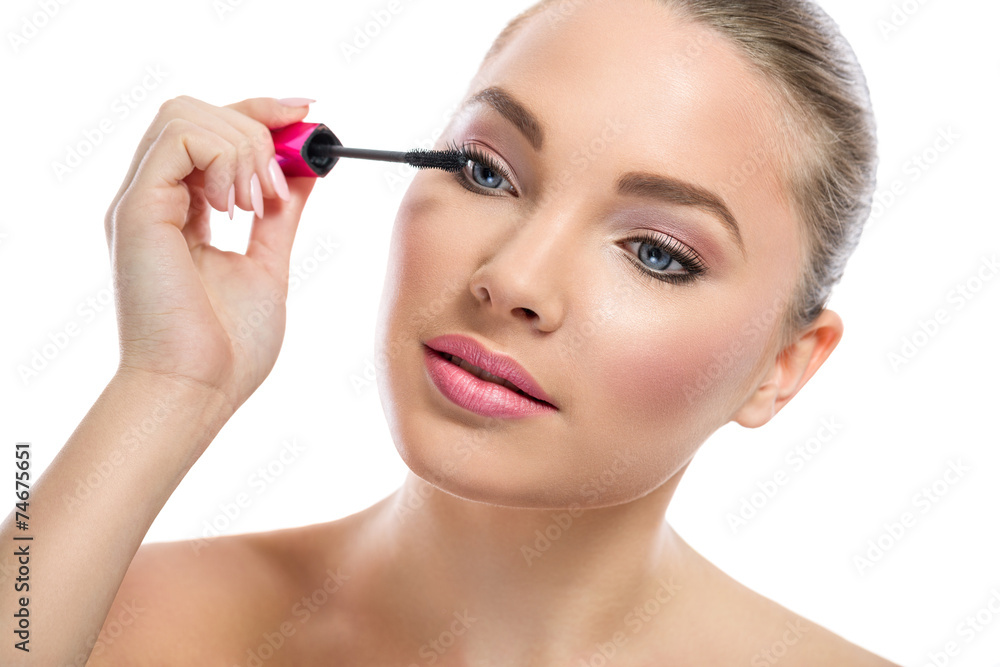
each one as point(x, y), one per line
point(655, 375)
point(426, 280)
point(674, 379)
point(415, 242)
point(425, 254)
point(411, 277)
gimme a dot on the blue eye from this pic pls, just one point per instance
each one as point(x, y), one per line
point(665, 259)
point(656, 255)
point(487, 177)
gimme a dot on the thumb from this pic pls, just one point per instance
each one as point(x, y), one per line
point(270, 111)
point(271, 237)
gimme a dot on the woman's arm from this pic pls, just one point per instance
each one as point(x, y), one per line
point(193, 347)
point(95, 502)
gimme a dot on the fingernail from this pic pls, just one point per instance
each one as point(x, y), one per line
point(256, 196)
point(232, 200)
point(296, 101)
point(278, 179)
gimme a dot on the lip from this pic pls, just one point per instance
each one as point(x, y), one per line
point(466, 389)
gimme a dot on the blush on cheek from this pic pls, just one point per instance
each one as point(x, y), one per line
point(674, 377)
point(650, 380)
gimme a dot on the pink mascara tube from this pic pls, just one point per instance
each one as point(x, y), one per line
point(312, 149)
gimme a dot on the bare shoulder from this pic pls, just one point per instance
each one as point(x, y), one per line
point(775, 633)
point(799, 642)
point(184, 602)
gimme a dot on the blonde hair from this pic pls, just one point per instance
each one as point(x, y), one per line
point(801, 50)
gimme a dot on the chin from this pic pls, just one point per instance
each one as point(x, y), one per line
point(476, 463)
point(501, 467)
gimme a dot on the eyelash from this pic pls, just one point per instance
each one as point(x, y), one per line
point(689, 259)
point(483, 159)
point(684, 256)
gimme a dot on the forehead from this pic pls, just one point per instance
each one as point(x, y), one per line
point(690, 105)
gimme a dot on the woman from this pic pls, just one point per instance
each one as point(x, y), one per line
point(668, 192)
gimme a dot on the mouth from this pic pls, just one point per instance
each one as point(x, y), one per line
point(487, 365)
point(487, 376)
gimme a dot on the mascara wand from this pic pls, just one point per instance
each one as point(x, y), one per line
point(311, 149)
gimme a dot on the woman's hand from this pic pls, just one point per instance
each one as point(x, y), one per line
point(187, 310)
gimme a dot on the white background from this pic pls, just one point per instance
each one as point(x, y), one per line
point(900, 426)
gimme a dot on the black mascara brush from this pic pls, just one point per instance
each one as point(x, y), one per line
point(311, 149)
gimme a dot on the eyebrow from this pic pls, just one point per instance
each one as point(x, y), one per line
point(675, 191)
point(510, 108)
point(635, 184)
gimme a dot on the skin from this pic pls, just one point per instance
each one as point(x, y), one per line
point(545, 278)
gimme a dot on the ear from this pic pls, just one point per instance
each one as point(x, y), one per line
point(791, 369)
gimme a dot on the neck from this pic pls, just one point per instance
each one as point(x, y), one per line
point(512, 580)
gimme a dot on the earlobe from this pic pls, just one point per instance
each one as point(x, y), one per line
point(792, 368)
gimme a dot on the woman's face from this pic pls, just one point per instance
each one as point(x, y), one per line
point(644, 126)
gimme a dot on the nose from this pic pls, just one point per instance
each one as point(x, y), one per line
point(528, 276)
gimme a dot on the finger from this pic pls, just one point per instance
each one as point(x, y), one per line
point(266, 113)
point(181, 148)
point(178, 107)
point(269, 111)
point(272, 236)
point(169, 110)
point(197, 230)
point(252, 139)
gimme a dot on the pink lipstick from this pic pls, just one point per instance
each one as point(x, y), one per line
point(484, 382)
